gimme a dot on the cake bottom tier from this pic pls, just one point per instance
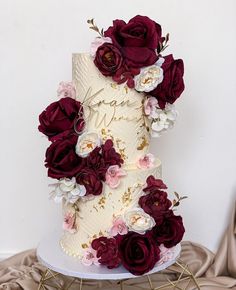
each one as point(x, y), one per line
point(95, 216)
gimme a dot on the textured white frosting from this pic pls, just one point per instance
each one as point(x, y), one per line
point(115, 112)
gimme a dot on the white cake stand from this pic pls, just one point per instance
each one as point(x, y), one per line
point(50, 254)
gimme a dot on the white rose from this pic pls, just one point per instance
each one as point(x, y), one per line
point(86, 143)
point(68, 189)
point(148, 78)
point(138, 221)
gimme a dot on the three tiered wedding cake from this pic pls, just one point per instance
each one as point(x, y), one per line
point(115, 207)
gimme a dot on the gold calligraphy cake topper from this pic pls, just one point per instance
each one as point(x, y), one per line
point(103, 118)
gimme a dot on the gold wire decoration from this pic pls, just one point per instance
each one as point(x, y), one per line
point(183, 278)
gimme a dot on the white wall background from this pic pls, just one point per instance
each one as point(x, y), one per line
point(37, 39)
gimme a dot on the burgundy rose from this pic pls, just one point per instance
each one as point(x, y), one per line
point(139, 253)
point(154, 184)
point(96, 161)
point(107, 252)
point(59, 118)
point(172, 85)
point(61, 159)
point(91, 181)
point(170, 232)
point(138, 40)
point(111, 157)
point(155, 203)
point(108, 59)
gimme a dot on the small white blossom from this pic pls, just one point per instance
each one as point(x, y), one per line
point(67, 189)
point(163, 120)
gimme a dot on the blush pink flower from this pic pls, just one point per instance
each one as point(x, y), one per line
point(90, 257)
point(119, 227)
point(69, 222)
point(150, 106)
point(98, 41)
point(147, 161)
point(113, 176)
point(166, 254)
point(66, 89)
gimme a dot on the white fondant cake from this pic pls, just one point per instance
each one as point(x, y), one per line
point(106, 113)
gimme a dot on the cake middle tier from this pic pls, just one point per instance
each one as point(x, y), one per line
point(94, 217)
point(113, 111)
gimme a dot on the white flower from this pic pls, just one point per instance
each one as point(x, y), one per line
point(86, 143)
point(68, 189)
point(138, 221)
point(149, 78)
point(163, 120)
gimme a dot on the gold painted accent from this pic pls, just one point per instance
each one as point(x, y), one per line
point(95, 208)
point(114, 86)
point(143, 144)
point(101, 233)
point(102, 202)
point(84, 246)
point(126, 197)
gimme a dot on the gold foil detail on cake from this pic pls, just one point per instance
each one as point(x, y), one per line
point(84, 246)
point(143, 144)
point(102, 202)
point(126, 197)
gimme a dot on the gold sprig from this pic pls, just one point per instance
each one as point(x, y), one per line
point(94, 27)
point(177, 200)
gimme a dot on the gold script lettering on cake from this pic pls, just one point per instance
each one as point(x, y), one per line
point(94, 105)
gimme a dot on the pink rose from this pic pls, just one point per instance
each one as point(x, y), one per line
point(150, 106)
point(69, 222)
point(90, 257)
point(66, 89)
point(119, 227)
point(98, 41)
point(147, 161)
point(113, 176)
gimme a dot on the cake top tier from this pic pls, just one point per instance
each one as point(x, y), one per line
point(111, 110)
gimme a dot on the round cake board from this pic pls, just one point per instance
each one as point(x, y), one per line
point(51, 255)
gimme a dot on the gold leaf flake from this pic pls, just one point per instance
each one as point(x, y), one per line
point(143, 144)
point(84, 246)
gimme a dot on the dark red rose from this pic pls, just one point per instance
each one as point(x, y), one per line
point(155, 203)
point(96, 161)
point(138, 39)
point(154, 184)
point(111, 157)
point(59, 118)
point(170, 232)
point(108, 59)
point(139, 253)
point(107, 252)
point(172, 85)
point(91, 181)
point(61, 159)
